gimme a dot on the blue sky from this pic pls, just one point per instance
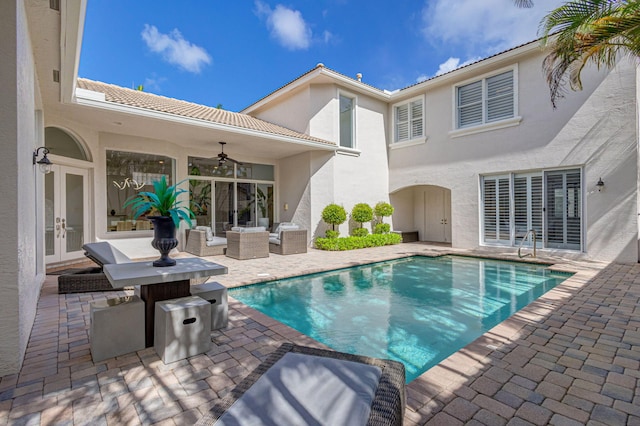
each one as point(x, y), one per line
point(235, 52)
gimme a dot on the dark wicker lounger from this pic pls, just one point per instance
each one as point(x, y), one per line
point(92, 279)
point(386, 406)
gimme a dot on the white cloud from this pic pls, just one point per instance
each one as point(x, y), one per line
point(448, 65)
point(153, 84)
point(482, 28)
point(175, 49)
point(286, 25)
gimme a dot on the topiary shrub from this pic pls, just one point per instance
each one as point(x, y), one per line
point(360, 232)
point(382, 210)
point(334, 215)
point(332, 234)
point(382, 228)
point(361, 213)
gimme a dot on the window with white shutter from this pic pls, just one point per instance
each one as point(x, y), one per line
point(409, 120)
point(549, 202)
point(484, 101)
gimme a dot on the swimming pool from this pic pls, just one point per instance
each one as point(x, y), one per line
point(417, 310)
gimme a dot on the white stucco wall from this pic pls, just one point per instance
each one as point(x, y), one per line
point(19, 280)
point(291, 111)
point(594, 128)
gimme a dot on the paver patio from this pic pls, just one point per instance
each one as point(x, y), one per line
point(571, 357)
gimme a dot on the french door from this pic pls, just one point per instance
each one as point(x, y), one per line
point(548, 202)
point(66, 213)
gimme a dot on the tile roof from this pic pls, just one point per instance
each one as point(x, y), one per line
point(136, 98)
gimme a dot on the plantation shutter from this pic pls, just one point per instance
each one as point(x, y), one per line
point(470, 104)
point(500, 97)
point(564, 209)
point(402, 123)
point(496, 209)
point(416, 119)
point(527, 191)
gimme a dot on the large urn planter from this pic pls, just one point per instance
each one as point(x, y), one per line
point(164, 239)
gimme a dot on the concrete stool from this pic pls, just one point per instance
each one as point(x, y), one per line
point(117, 327)
point(182, 328)
point(216, 294)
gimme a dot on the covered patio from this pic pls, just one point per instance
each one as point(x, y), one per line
point(571, 357)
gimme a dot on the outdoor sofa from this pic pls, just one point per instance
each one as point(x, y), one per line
point(288, 238)
point(202, 242)
point(303, 385)
point(92, 279)
point(248, 243)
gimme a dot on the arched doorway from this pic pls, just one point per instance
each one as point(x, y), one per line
point(425, 208)
point(66, 198)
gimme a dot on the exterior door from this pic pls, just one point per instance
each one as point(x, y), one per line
point(66, 214)
point(564, 209)
point(437, 215)
point(224, 202)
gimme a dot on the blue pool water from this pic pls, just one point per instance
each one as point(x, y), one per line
point(417, 310)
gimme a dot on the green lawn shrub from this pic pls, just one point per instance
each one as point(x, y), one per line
point(382, 228)
point(352, 243)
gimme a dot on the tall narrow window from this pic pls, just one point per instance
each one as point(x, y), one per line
point(497, 206)
point(527, 190)
point(487, 100)
point(564, 209)
point(409, 121)
point(347, 108)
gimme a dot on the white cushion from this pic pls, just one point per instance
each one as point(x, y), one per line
point(274, 235)
point(287, 227)
point(274, 240)
point(305, 389)
point(217, 241)
point(206, 229)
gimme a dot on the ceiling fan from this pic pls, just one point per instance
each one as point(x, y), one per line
point(222, 157)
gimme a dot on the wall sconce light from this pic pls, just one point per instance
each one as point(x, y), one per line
point(286, 206)
point(600, 185)
point(44, 163)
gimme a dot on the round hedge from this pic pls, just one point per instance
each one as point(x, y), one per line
point(361, 213)
point(383, 209)
point(334, 215)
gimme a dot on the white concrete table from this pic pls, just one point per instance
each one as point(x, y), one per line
point(160, 283)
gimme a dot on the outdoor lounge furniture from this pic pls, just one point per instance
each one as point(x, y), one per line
point(92, 279)
point(302, 385)
point(248, 243)
point(201, 242)
point(288, 240)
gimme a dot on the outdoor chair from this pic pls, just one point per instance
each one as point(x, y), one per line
point(247, 243)
point(303, 385)
point(202, 242)
point(92, 279)
point(288, 238)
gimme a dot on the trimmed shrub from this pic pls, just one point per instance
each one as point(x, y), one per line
point(360, 232)
point(383, 209)
point(332, 234)
point(382, 228)
point(361, 213)
point(334, 215)
point(352, 243)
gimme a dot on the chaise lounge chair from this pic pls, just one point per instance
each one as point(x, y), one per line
point(302, 385)
point(92, 279)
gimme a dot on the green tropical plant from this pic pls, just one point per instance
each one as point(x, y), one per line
point(334, 215)
point(584, 31)
point(362, 212)
point(163, 200)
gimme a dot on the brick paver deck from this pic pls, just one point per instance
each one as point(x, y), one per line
point(571, 357)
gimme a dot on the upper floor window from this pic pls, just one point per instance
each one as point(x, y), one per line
point(485, 101)
point(409, 121)
point(347, 121)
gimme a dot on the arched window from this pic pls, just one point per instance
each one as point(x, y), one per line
point(61, 143)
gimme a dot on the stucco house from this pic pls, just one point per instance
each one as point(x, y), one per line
point(476, 157)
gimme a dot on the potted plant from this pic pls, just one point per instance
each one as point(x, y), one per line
point(262, 205)
point(165, 211)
